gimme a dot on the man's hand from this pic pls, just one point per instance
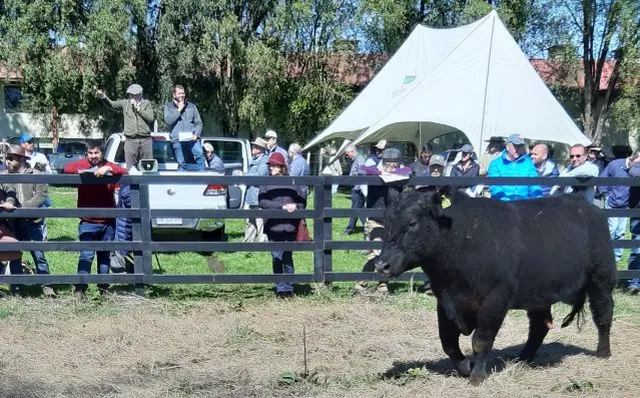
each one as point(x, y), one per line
point(7, 206)
point(290, 207)
point(194, 138)
point(100, 94)
point(103, 171)
point(180, 106)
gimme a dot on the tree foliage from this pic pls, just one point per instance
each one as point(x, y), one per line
point(283, 64)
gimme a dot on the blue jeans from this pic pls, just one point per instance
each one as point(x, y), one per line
point(282, 261)
point(634, 257)
point(196, 150)
point(617, 229)
point(91, 232)
point(27, 230)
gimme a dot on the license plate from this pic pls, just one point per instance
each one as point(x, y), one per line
point(169, 221)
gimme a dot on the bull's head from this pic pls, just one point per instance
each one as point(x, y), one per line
point(412, 232)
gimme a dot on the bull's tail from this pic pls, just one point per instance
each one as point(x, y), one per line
point(577, 310)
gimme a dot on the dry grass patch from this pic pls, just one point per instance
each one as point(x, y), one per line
point(357, 347)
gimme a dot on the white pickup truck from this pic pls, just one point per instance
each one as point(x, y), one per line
point(235, 154)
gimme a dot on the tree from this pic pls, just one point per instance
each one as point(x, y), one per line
point(604, 34)
point(66, 49)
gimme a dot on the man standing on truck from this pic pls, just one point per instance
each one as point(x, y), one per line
point(100, 196)
point(185, 127)
point(254, 227)
point(138, 115)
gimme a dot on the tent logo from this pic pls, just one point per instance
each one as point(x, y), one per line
point(409, 79)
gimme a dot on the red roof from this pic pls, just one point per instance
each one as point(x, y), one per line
point(358, 70)
point(350, 70)
point(9, 75)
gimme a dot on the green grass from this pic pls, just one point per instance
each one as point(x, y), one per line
point(61, 229)
point(186, 263)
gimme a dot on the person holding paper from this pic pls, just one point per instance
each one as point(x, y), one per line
point(138, 115)
point(185, 127)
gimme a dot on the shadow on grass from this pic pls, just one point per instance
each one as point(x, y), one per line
point(549, 355)
point(63, 239)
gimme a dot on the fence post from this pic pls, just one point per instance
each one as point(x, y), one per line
point(136, 234)
point(322, 230)
point(146, 238)
point(318, 233)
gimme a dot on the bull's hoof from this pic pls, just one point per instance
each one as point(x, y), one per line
point(463, 367)
point(477, 377)
point(603, 353)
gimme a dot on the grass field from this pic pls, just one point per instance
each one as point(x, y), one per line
point(65, 229)
point(238, 341)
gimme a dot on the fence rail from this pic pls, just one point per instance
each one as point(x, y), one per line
point(321, 212)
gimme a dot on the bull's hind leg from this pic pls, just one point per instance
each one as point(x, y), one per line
point(601, 304)
point(450, 337)
point(539, 323)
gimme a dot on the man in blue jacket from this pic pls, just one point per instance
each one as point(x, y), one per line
point(513, 162)
point(185, 127)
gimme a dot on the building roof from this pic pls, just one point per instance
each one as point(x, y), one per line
point(358, 70)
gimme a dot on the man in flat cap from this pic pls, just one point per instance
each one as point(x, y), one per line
point(273, 146)
point(138, 116)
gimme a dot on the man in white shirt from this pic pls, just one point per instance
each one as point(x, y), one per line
point(34, 158)
point(579, 167)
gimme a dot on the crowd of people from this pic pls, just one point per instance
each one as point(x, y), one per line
point(510, 157)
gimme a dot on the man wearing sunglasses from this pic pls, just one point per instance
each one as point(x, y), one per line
point(36, 160)
point(579, 167)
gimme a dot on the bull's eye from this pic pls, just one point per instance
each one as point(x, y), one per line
point(413, 223)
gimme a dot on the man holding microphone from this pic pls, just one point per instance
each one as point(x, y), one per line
point(138, 116)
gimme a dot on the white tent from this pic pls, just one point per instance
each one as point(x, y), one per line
point(474, 79)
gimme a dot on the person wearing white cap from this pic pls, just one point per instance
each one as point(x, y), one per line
point(182, 117)
point(376, 153)
point(138, 116)
point(254, 227)
point(272, 145)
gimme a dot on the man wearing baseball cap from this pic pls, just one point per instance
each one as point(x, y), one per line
point(138, 116)
point(271, 137)
point(35, 159)
point(254, 227)
point(513, 162)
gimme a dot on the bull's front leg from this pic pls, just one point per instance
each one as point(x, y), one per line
point(489, 319)
point(450, 337)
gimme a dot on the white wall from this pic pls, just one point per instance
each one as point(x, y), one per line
point(69, 126)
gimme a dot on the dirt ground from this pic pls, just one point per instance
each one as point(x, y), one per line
point(360, 347)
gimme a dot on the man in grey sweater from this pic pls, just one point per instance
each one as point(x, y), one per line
point(185, 126)
point(138, 116)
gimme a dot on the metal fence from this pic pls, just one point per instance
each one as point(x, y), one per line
point(321, 211)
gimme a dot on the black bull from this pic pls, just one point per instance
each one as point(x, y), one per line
point(484, 257)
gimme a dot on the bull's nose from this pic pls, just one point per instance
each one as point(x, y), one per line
point(382, 266)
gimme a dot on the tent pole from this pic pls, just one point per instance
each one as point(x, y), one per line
point(486, 87)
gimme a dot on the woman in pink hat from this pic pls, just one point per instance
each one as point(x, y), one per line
point(289, 198)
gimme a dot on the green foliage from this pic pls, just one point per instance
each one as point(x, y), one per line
point(281, 64)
